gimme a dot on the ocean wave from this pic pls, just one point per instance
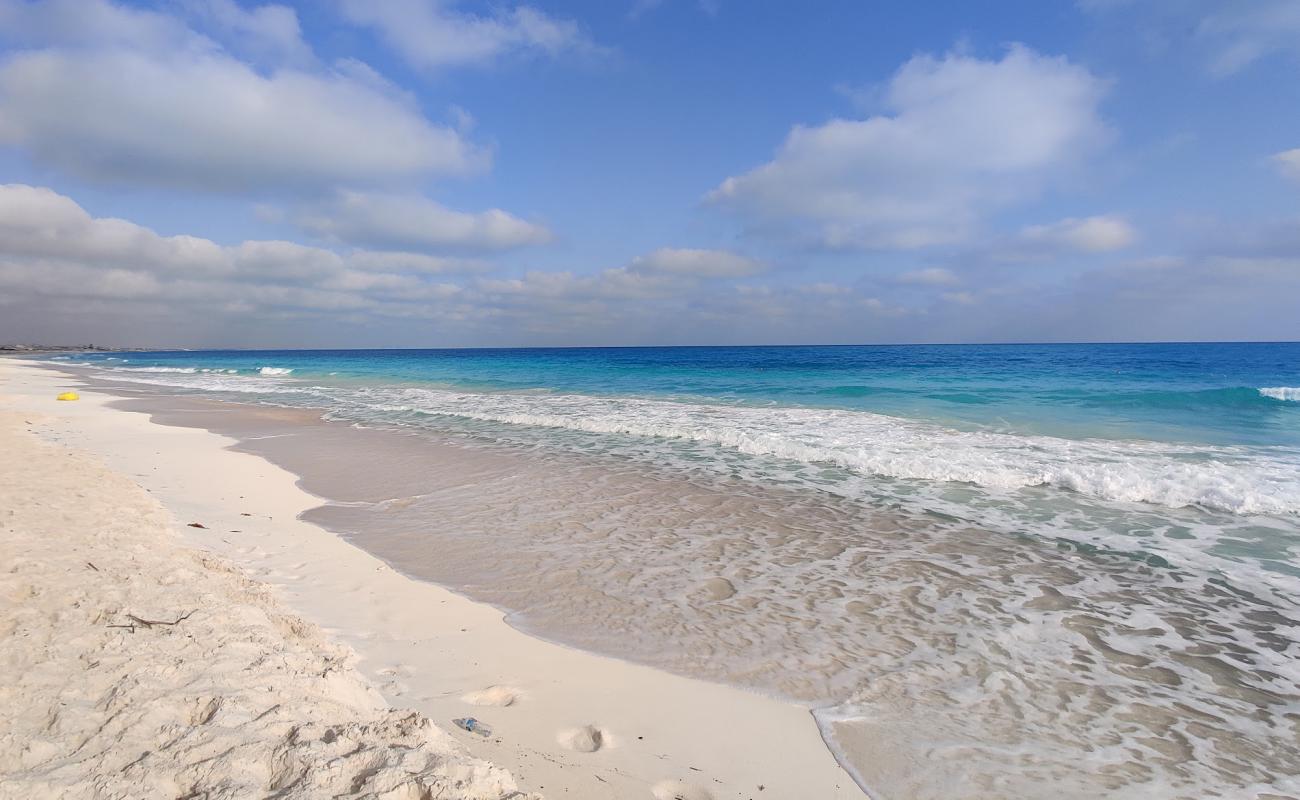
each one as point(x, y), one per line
point(176, 370)
point(1291, 393)
point(213, 381)
point(1235, 480)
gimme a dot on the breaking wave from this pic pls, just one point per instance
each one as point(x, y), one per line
point(1234, 479)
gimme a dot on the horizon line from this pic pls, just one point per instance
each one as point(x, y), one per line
point(33, 349)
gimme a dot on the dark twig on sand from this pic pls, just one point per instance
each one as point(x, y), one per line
point(149, 623)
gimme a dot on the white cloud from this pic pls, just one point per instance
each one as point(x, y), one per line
point(697, 263)
point(58, 259)
point(38, 222)
point(212, 123)
point(50, 245)
point(431, 34)
point(68, 275)
point(146, 101)
point(965, 137)
point(268, 33)
point(412, 222)
point(380, 261)
point(1288, 163)
point(1100, 234)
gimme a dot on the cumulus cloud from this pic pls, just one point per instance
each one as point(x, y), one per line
point(413, 222)
point(697, 263)
point(60, 260)
point(50, 246)
point(963, 137)
point(431, 34)
point(380, 261)
point(66, 274)
point(1100, 234)
point(1288, 163)
point(270, 33)
point(144, 100)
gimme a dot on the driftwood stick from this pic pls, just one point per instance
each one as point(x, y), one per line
point(149, 623)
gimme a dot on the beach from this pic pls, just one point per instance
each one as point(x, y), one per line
point(692, 573)
point(175, 522)
point(667, 400)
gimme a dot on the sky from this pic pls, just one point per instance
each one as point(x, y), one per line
point(433, 173)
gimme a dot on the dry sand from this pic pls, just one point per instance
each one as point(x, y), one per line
point(564, 723)
point(133, 666)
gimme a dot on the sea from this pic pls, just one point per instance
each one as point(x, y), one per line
point(1066, 570)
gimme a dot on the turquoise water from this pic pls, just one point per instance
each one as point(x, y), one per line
point(1204, 393)
point(1012, 436)
point(1064, 566)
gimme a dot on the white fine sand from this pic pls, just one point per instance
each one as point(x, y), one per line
point(247, 698)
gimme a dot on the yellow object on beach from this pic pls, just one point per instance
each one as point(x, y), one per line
point(69, 396)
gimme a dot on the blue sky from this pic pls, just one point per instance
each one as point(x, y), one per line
point(438, 173)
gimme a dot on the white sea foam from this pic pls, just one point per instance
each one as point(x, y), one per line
point(1232, 479)
point(1237, 480)
point(1009, 665)
point(174, 370)
point(216, 381)
point(1291, 393)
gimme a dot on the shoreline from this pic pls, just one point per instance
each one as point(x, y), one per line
point(658, 735)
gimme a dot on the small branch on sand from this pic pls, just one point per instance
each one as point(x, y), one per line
point(149, 623)
point(270, 710)
point(197, 525)
point(92, 566)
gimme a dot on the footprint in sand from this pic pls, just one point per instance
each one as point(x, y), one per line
point(492, 696)
point(676, 790)
point(719, 589)
point(587, 739)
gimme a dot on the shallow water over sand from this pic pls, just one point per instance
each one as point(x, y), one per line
point(944, 659)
